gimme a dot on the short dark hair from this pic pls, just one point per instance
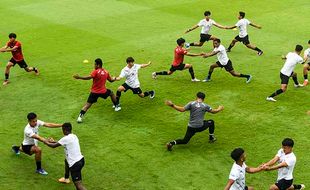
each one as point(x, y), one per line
point(31, 116)
point(236, 154)
point(207, 13)
point(217, 40)
point(309, 42)
point(67, 127)
point(12, 35)
point(201, 95)
point(298, 48)
point(288, 142)
point(242, 14)
point(130, 60)
point(98, 62)
point(180, 41)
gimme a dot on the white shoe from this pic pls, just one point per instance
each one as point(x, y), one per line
point(298, 85)
point(152, 94)
point(195, 80)
point(5, 82)
point(117, 108)
point(206, 80)
point(154, 75)
point(302, 186)
point(271, 99)
point(79, 119)
point(113, 106)
point(248, 80)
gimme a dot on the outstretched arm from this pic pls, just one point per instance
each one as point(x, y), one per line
point(272, 161)
point(51, 144)
point(76, 76)
point(220, 108)
point(191, 29)
point(253, 170)
point(145, 65)
point(39, 138)
point(205, 55)
point(230, 27)
point(219, 26)
point(178, 108)
point(7, 49)
point(3, 49)
point(194, 54)
point(52, 125)
point(255, 25)
point(281, 165)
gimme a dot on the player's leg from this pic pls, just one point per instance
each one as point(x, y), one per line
point(247, 43)
point(273, 187)
point(23, 64)
point(296, 83)
point(233, 42)
point(297, 186)
point(210, 124)
point(284, 83)
point(190, 70)
point(65, 179)
point(190, 132)
point(306, 69)
point(154, 74)
point(212, 67)
point(37, 151)
point(7, 72)
point(203, 39)
point(92, 98)
point(119, 91)
point(250, 188)
point(16, 149)
point(76, 174)
point(144, 94)
point(236, 74)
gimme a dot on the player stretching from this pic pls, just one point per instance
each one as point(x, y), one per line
point(178, 64)
point(130, 72)
point(206, 24)
point(31, 134)
point(223, 61)
point(243, 35)
point(286, 160)
point(237, 173)
point(98, 89)
point(15, 47)
point(196, 123)
point(287, 71)
point(74, 161)
point(307, 64)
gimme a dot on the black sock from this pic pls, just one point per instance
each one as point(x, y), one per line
point(16, 148)
point(146, 93)
point(295, 80)
point(230, 46)
point(118, 96)
point(209, 75)
point(162, 73)
point(297, 186)
point(173, 142)
point(191, 71)
point(38, 163)
point(192, 44)
point(257, 49)
point(305, 77)
point(276, 93)
point(6, 76)
point(82, 112)
point(245, 76)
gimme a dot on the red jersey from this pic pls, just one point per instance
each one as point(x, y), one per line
point(179, 53)
point(100, 77)
point(17, 54)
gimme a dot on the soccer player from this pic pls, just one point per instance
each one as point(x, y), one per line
point(196, 123)
point(223, 61)
point(74, 161)
point(286, 160)
point(178, 64)
point(287, 71)
point(243, 35)
point(206, 25)
point(31, 135)
point(15, 47)
point(98, 89)
point(237, 173)
point(307, 65)
point(130, 72)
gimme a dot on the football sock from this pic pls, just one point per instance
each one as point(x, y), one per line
point(162, 73)
point(211, 136)
point(6, 76)
point(173, 142)
point(146, 93)
point(257, 49)
point(209, 75)
point(245, 76)
point(38, 163)
point(305, 77)
point(82, 112)
point(192, 44)
point(295, 80)
point(230, 46)
point(297, 186)
point(16, 148)
point(191, 71)
point(276, 93)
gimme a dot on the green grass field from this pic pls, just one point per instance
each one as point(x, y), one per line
point(126, 149)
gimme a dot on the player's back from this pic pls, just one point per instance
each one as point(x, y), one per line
point(100, 77)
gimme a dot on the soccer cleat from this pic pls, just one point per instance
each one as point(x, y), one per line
point(206, 80)
point(271, 99)
point(302, 186)
point(117, 108)
point(41, 171)
point(169, 146)
point(15, 149)
point(227, 50)
point(212, 140)
point(298, 85)
point(64, 180)
point(195, 80)
point(37, 72)
point(79, 119)
point(260, 53)
point(154, 75)
point(152, 94)
point(5, 82)
point(305, 83)
point(248, 80)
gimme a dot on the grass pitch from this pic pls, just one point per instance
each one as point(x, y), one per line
point(125, 150)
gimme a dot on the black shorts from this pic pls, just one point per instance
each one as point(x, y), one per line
point(27, 149)
point(204, 37)
point(284, 78)
point(244, 40)
point(179, 67)
point(228, 67)
point(22, 63)
point(76, 170)
point(246, 188)
point(134, 90)
point(93, 97)
point(284, 184)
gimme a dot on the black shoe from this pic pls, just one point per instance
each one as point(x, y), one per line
point(15, 149)
point(169, 146)
point(152, 94)
point(212, 140)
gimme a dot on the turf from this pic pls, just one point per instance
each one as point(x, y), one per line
point(126, 150)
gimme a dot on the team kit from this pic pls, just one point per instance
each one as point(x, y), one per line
point(284, 160)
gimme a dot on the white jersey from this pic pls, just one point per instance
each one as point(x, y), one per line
point(290, 159)
point(131, 75)
point(307, 54)
point(292, 59)
point(206, 25)
point(221, 55)
point(30, 131)
point(242, 24)
point(237, 173)
point(72, 148)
